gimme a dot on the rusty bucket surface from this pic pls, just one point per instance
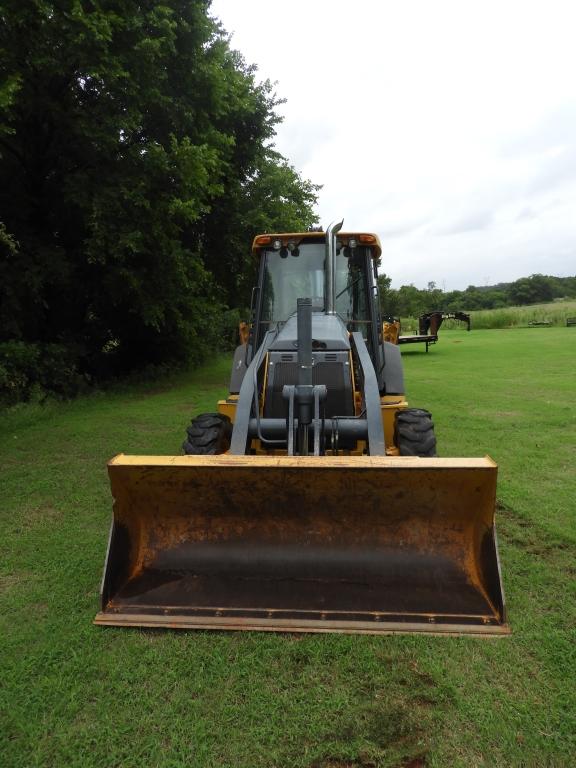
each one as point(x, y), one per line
point(320, 544)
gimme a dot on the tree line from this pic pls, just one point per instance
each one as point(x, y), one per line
point(409, 301)
point(136, 164)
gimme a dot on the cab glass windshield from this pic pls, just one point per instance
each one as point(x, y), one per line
point(288, 278)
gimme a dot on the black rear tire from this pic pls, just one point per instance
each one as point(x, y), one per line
point(414, 433)
point(208, 435)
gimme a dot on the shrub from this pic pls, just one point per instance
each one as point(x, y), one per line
point(18, 370)
point(29, 370)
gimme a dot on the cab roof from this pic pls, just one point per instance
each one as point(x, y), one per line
point(363, 238)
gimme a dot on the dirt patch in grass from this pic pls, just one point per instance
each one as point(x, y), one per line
point(531, 537)
point(45, 514)
point(335, 762)
point(416, 761)
point(390, 728)
point(10, 581)
point(425, 701)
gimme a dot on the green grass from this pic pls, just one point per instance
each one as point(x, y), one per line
point(72, 694)
point(553, 312)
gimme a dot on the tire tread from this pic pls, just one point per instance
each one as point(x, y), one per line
point(414, 433)
point(209, 434)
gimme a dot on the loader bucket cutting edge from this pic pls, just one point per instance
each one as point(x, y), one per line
point(364, 544)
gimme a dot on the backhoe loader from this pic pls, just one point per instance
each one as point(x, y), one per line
point(312, 499)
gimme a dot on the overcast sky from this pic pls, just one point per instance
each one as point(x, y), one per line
point(449, 128)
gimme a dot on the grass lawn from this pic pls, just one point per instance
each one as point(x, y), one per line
point(72, 694)
point(552, 312)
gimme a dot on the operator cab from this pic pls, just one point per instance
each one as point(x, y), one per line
point(294, 266)
point(286, 278)
point(299, 266)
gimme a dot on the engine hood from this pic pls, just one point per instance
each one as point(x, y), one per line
point(328, 332)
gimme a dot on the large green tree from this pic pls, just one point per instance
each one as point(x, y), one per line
point(272, 198)
point(129, 132)
point(529, 290)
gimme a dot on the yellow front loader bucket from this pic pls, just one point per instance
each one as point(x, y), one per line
point(363, 544)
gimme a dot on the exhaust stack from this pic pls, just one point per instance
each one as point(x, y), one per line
point(331, 233)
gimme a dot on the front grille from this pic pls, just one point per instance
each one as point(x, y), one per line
point(334, 375)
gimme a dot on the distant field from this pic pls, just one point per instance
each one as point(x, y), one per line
point(555, 312)
point(73, 695)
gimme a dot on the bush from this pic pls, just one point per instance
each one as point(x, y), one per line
point(38, 370)
point(18, 370)
point(34, 371)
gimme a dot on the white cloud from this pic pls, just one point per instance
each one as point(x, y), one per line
point(448, 127)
